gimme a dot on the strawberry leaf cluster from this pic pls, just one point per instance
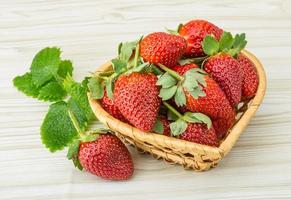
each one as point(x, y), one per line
point(127, 62)
point(227, 43)
point(50, 79)
point(174, 85)
point(44, 81)
point(180, 123)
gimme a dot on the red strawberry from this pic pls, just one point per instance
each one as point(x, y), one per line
point(226, 71)
point(106, 157)
point(166, 127)
point(214, 104)
point(250, 77)
point(199, 133)
point(136, 96)
point(162, 48)
point(222, 125)
point(194, 32)
point(111, 108)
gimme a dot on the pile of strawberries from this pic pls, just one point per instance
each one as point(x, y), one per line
point(185, 84)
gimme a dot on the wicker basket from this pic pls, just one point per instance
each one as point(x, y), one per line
point(188, 154)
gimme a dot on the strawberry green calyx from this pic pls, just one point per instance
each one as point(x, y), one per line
point(96, 87)
point(173, 85)
point(127, 62)
point(82, 136)
point(175, 32)
point(227, 44)
point(181, 121)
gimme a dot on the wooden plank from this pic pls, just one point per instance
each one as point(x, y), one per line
point(88, 31)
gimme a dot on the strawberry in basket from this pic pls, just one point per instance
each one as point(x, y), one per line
point(187, 85)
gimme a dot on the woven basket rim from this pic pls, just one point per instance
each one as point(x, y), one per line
point(224, 147)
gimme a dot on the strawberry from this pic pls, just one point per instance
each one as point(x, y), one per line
point(106, 157)
point(250, 77)
point(166, 127)
point(226, 71)
point(194, 32)
point(162, 48)
point(193, 127)
point(199, 133)
point(222, 65)
point(136, 96)
point(111, 108)
point(214, 104)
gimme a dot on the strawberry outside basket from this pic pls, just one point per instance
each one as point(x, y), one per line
point(188, 154)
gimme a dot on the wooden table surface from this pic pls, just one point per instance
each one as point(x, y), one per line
point(258, 167)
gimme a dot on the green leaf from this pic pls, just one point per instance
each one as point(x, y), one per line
point(190, 83)
point(45, 65)
point(119, 48)
point(190, 117)
point(77, 164)
point(197, 118)
point(226, 41)
point(68, 83)
point(180, 97)
point(193, 78)
point(199, 79)
point(203, 118)
point(79, 94)
point(210, 45)
point(85, 81)
point(238, 44)
point(109, 87)
point(24, 84)
point(90, 138)
point(52, 91)
point(158, 127)
point(140, 67)
point(73, 153)
point(119, 66)
point(73, 149)
point(65, 68)
point(57, 129)
point(238, 40)
point(197, 92)
point(96, 87)
point(79, 114)
point(178, 127)
point(126, 50)
point(167, 93)
point(166, 80)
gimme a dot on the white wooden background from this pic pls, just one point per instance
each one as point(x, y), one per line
point(259, 166)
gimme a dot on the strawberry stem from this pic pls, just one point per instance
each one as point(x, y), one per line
point(156, 70)
point(97, 131)
point(171, 72)
point(106, 73)
point(172, 109)
point(197, 60)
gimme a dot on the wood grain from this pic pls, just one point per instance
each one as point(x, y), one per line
point(258, 167)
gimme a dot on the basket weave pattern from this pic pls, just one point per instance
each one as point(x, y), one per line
point(188, 154)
